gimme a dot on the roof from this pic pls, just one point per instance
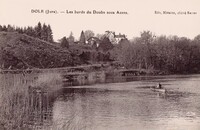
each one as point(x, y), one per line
point(94, 38)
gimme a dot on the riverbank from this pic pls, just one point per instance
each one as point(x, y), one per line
point(80, 75)
point(86, 75)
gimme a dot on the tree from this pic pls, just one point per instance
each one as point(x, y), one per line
point(24, 30)
point(30, 31)
point(197, 39)
point(71, 38)
point(88, 34)
point(146, 39)
point(100, 36)
point(161, 45)
point(4, 28)
point(82, 38)
point(49, 34)
point(119, 50)
point(10, 28)
point(38, 30)
point(64, 43)
point(124, 42)
point(44, 32)
point(105, 45)
point(1, 28)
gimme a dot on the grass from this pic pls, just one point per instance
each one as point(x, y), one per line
point(15, 98)
point(13, 106)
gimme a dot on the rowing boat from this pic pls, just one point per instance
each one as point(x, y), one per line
point(158, 89)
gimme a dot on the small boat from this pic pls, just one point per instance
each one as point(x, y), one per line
point(163, 90)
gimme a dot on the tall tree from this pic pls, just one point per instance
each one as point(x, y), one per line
point(49, 34)
point(71, 38)
point(147, 38)
point(82, 38)
point(38, 30)
point(44, 32)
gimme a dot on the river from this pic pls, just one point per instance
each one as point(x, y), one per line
point(127, 106)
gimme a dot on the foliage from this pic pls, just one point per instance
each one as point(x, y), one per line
point(88, 34)
point(94, 57)
point(100, 36)
point(82, 38)
point(64, 43)
point(170, 54)
point(40, 31)
point(105, 45)
point(71, 38)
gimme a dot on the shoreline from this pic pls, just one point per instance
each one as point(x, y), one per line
point(95, 68)
point(88, 75)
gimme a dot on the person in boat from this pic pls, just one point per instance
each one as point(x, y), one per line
point(159, 86)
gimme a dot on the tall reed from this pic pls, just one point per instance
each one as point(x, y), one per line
point(13, 107)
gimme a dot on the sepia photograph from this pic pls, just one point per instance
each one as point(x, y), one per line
point(99, 65)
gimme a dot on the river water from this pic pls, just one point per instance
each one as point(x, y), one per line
point(127, 106)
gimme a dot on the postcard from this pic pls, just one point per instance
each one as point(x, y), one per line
point(100, 64)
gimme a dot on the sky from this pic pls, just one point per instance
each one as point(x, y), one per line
point(141, 16)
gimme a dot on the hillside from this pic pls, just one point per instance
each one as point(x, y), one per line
point(20, 51)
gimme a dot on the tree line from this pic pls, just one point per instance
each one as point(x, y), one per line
point(43, 32)
point(171, 54)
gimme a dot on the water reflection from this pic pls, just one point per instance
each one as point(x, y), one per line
point(127, 109)
point(39, 108)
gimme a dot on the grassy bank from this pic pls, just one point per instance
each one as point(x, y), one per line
point(20, 51)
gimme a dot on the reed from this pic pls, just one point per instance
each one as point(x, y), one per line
point(15, 97)
point(26, 102)
point(13, 107)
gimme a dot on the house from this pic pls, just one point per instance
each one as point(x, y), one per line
point(94, 42)
point(117, 38)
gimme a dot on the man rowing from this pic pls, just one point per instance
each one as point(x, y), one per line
point(159, 86)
